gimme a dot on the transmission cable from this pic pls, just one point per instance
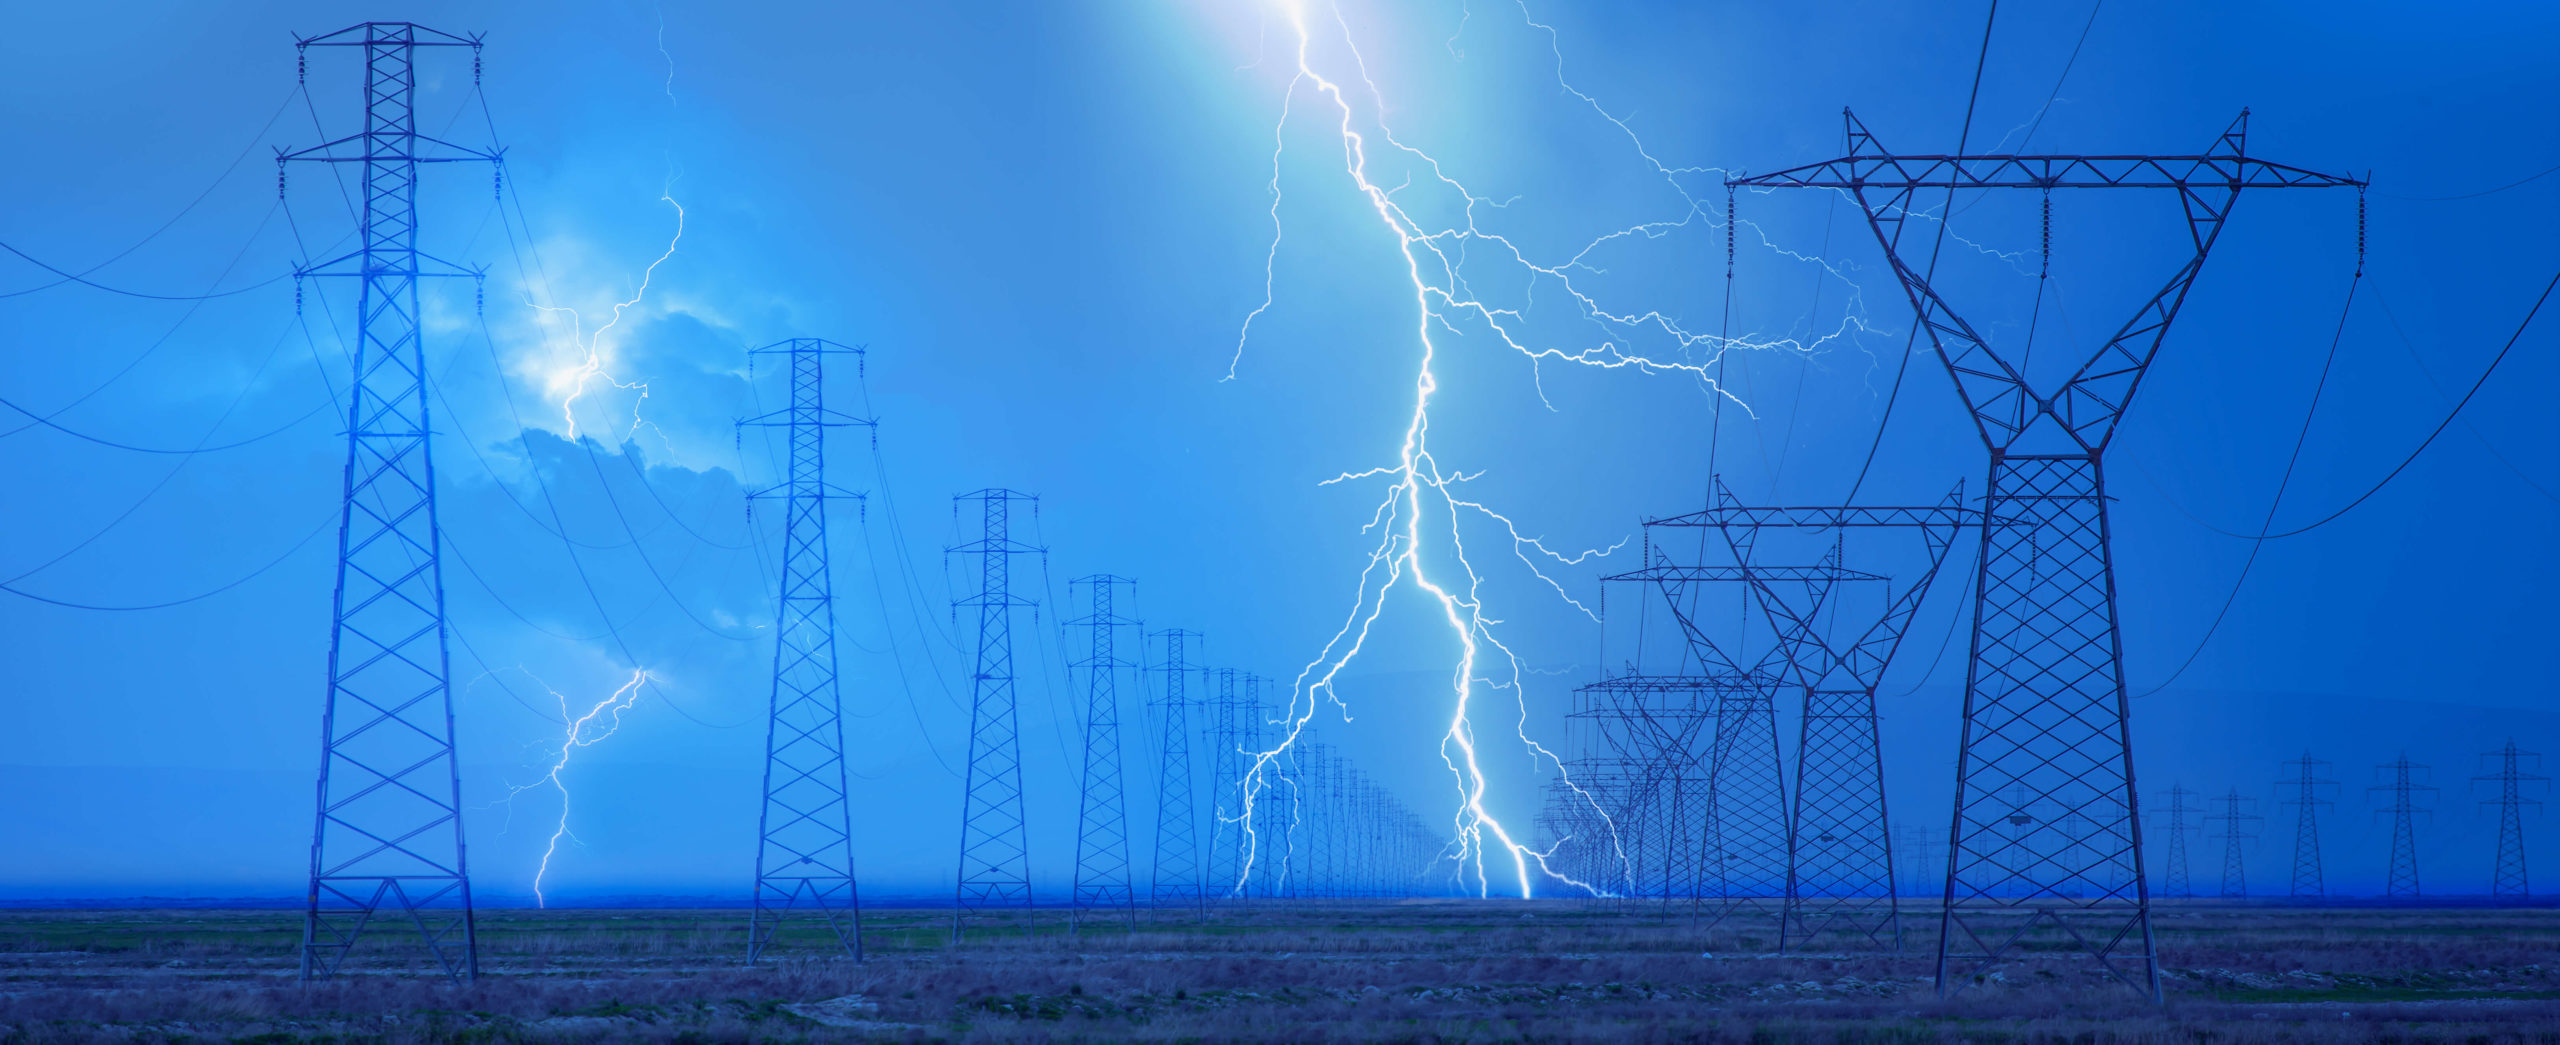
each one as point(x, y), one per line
point(1912, 343)
point(218, 179)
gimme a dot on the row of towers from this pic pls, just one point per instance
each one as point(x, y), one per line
point(2400, 793)
point(387, 840)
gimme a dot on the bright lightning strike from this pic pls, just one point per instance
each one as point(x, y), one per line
point(573, 381)
point(579, 730)
point(1435, 266)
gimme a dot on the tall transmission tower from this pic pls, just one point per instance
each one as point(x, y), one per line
point(2508, 881)
point(995, 856)
point(1226, 736)
point(1656, 727)
point(1102, 819)
point(2045, 703)
point(1839, 855)
point(804, 830)
point(386, 838)
point(2236, 821)
point(1177, 866)
point(2176, 819)
point(2403, 786)
point(2306, 791)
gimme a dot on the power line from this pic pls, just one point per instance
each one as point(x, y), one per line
point(1911, 342)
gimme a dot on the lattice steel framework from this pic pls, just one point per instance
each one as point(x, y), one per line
point(1226, 733)
point(1839, 842)
point(2045, 703)
point(2403, 788)
point(1655, 726)
point(2236, 821)
point(2307, 792)
point(387, 833)
point(1102, 818)
point(995, 857)
point(2176, 821)
point(2507, 880)
point(804, 830)
point(1176, 876)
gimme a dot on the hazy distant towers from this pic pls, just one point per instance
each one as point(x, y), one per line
point(2306, 789)
point(2507, 881)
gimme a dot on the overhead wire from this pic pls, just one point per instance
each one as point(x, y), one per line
point(1911, 343)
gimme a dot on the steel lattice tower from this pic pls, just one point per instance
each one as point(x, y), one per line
point(387, 833)
point(2403, 788)
point(1177, 867)
point(2177, 824)
point(2045, 703)
point(2235, 819)
point(1226, 733)
point(995, 857)
point(1656, 726)
point(2309, 793)
point(804, 830)
point(1102, 819)
point(2508, 881)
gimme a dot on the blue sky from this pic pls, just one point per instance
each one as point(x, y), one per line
point(1049, 222)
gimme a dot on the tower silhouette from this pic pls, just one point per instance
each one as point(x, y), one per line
point(2235, 819)
point(2175, 818)
point(804, 830)
point(2045, 705)
point(995, 859)
point(386, 838)
point(2403, 787)
point(2507, 880)
point(2306, 791)
point(1102, 818)
point(1226, 736)
point(1176, 876)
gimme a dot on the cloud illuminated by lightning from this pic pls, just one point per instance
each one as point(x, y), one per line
point(1436, 266)
point(578, 730)
point(572, 382)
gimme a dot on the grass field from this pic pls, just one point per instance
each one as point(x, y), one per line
point(1386, 972)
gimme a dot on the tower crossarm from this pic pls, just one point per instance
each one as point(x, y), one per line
point(2005, 408)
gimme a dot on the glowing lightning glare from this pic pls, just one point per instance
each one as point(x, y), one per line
point(599, 722)
point(577, 377)
point(1435, 264)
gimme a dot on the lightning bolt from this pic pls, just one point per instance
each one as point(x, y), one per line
point(1436, 265)
point(578, 377)
point(579, 730)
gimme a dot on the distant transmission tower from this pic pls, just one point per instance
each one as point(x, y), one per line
point(2177, 821)
point(2508, 881)
point(1226, 735)
point(2235, 819)
point(1102, 820)
point(2307, 790)
point(2045, 704)
point(995, 857)
point(2403, 787)
point(387, 835)
point(804, 849)
point(1177, 868)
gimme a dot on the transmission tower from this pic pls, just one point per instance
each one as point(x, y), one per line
point(1656, 728)
point(2403, 787)
point(2508, 881)
point(2177, 824)
point(804, 831)
point(1102, 820)
point(2307, 791)
point(1839, 859)
point(995, 860)
point(2236, 821)
point(2045, 703)
point(1923, 856)
point(1226, 735)
point(1177, 866)
point(386, 837)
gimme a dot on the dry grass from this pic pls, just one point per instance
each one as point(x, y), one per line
point(1422, 972)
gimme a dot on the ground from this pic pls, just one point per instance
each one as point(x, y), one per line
point(1424, 971)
